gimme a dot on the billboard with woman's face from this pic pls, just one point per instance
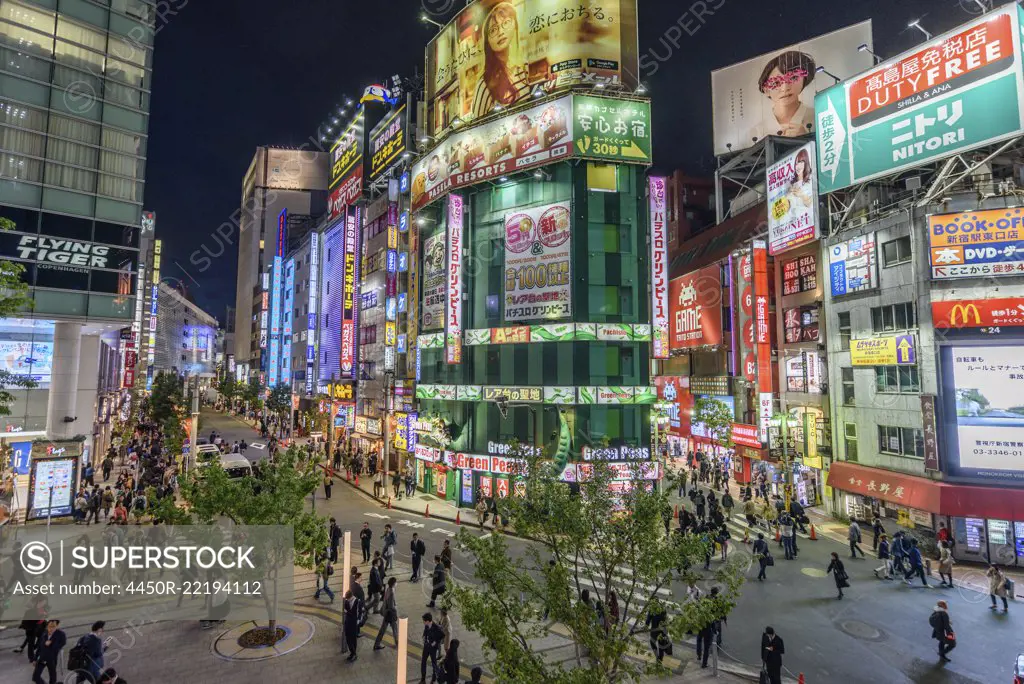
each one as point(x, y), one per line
point(497, 53)
point(773, 94)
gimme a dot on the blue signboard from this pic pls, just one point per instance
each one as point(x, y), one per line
point(19, 457)
point(403, 262)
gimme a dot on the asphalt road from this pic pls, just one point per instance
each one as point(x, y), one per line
point(878, 633)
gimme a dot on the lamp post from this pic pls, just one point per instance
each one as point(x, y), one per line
point(659, 417)
point(784, 422)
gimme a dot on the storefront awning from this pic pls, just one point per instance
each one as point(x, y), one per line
point(928, 495)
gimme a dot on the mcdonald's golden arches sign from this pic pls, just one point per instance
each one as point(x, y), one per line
point(978, 313)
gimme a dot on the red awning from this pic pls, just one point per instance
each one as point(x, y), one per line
point(928, 495)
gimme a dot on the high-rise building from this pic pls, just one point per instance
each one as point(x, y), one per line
point(75, 79)
point(186, 336)
point(282, 188)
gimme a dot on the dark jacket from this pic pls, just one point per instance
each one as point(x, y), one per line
point(352, 612)
point(57, 641)
point(451, 668)
point(772, 658)
point(439, 576)
point(335, 533)
point(366, 536)
point(839, 572)
point(433, 636)
point(93, 646)
point(883, 549)
point(417, 547)
point(942, 626)
point(376, 581)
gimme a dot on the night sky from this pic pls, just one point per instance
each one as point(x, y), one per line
point(233, 74)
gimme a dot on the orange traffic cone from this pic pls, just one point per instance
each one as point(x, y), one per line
point(778, 534)
point(426, 513)
point(389, 502)
point(814, 534)
point(458, 517)
point(357, 479)
point(675, 514)
point(801, 679)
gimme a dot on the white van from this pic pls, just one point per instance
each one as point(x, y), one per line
point(235, 465)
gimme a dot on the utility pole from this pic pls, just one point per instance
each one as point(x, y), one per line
point(781, 420)
point(389, 402)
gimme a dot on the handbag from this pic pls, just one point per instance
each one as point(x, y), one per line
point(769, 560)
point(763, 678)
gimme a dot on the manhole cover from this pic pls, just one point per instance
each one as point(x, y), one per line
point(861, 630)
point(813, 572)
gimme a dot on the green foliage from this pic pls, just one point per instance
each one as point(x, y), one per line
point(280, 399)
point(252, 392)
point(717, 418)
point(167, 399)
point(15, 297)
point(228, 388)
point(590, 535)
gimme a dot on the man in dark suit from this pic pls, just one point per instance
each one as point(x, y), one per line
point(51, 643)
point(772, 649)
point(334, 532)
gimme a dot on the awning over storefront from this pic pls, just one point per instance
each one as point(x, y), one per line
point(928, 495)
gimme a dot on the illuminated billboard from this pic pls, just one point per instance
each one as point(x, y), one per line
point(537, 263)
point(659, 268)
point(925, 104)
point(274, 346)
point(388, 140)
point(453, 298)
point(792, 201)
point(976, 244)
point(497, 53)
point(346, 184)
point(350, 286)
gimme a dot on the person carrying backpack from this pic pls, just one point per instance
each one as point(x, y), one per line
point(87, 654)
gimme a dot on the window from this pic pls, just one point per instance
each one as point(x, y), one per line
point(368, 335)
point(848, 391)
point(897, 380)
point(893, 317)
point(850, 440)
point(896, 252)
point(844, 331)
point(901, 441)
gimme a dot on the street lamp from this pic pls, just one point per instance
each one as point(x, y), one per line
point(427, 20)
point(785, 423)
point(659, 417)
point(917, 24)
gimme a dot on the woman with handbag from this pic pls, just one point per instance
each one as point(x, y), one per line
point(997, 586)
point(942, 629)
point(660, 642)
point(839, 574)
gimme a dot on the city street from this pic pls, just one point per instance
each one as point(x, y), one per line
point(878, 633)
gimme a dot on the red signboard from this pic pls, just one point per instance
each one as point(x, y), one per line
point(978, 313)
point(746, 435)
point(959, 61)
point(695, 307)
point(502, 487)
point(761, 324)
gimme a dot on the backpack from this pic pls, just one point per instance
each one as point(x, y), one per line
point(78, 659)
point(934, 620)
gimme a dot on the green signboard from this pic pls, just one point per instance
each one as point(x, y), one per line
point(957, 92)
point(616, 130)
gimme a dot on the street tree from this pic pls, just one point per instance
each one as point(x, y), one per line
point(14, 298)
point(228, 388)
point(716, 417)
point(252, 393)
point(279, 402)
point(595, 535)
point(273, 495)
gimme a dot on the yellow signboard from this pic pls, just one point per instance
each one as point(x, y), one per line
point(898, 350)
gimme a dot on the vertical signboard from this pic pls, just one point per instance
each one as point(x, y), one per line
point(538, 284)
point(453, 299)
point(348, 325)
point(792, 201)
point(851, 265)
point(931, 445)
point(762, 338)
point(346, 182)
point(925, 104)
point(659, 269)
point(288, 325)
point(742, 264)
point(273, 366)
point(311, 316)
point(282, 232)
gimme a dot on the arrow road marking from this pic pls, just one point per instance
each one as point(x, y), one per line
point(441, 531)
point(377, 515)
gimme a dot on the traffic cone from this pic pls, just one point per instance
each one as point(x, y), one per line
point(801, 679)
point(357, 479)
point(458, 517)
point(426, 513)
point(389, 503)
point(676, 513)
point(778, 534)
point(813, 535)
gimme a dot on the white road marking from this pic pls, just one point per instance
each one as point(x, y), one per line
point(409, 523)
point(441, 531)
point(377, 515)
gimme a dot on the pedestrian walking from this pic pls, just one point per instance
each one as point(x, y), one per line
point(376, 588)
point(324, 570)
point(378, 483)
point(945, 564)
point(727, 504)
point(899, 552)
point(108, 465)
point(410, 483)
point(764, 557)
point(476, 675)
point(446, 557)
point(396, 484)
point(51, 643)
point(788, 535)
point(942, 629)
point(418, 549)
point(916, 564)
point(437, 578)
point(33, 624)
point(750, 512)
point(997, 586)
point(876, 532)
point(884, 556)
point(723, 540)
point(390, 541)
point(92, 649)
point(351, 625)
point(772, 650)
point(699, 504)
point(838, 574)
point(334, 534)
point(450, 666)
point(659, 638)
point(365, 537)
point(445, 623)
point(433, 637)
point(681, 479)
point(481, 513)
point(853, 534)
point(390, 615)
point(328, 483)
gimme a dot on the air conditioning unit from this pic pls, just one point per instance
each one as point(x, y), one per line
point(857, 222)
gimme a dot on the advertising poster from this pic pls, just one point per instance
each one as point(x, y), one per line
point(387, 142)
point(349, 285)
point(51, 487)
point(538, 282)
point(496, 52)
point(535, 136)
point(896, 350)
point(742, 266)
point(977, 244)
point(695, 308)
point(618, 130)
point(800, 275)
point(792, 201)
point(333, 271)
point(659, 268)
point(453, 282)
point(28, 359)
point(852, 265)
point(926, 104)
point(773, 94)
point(433, 282)
point(988, 386)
